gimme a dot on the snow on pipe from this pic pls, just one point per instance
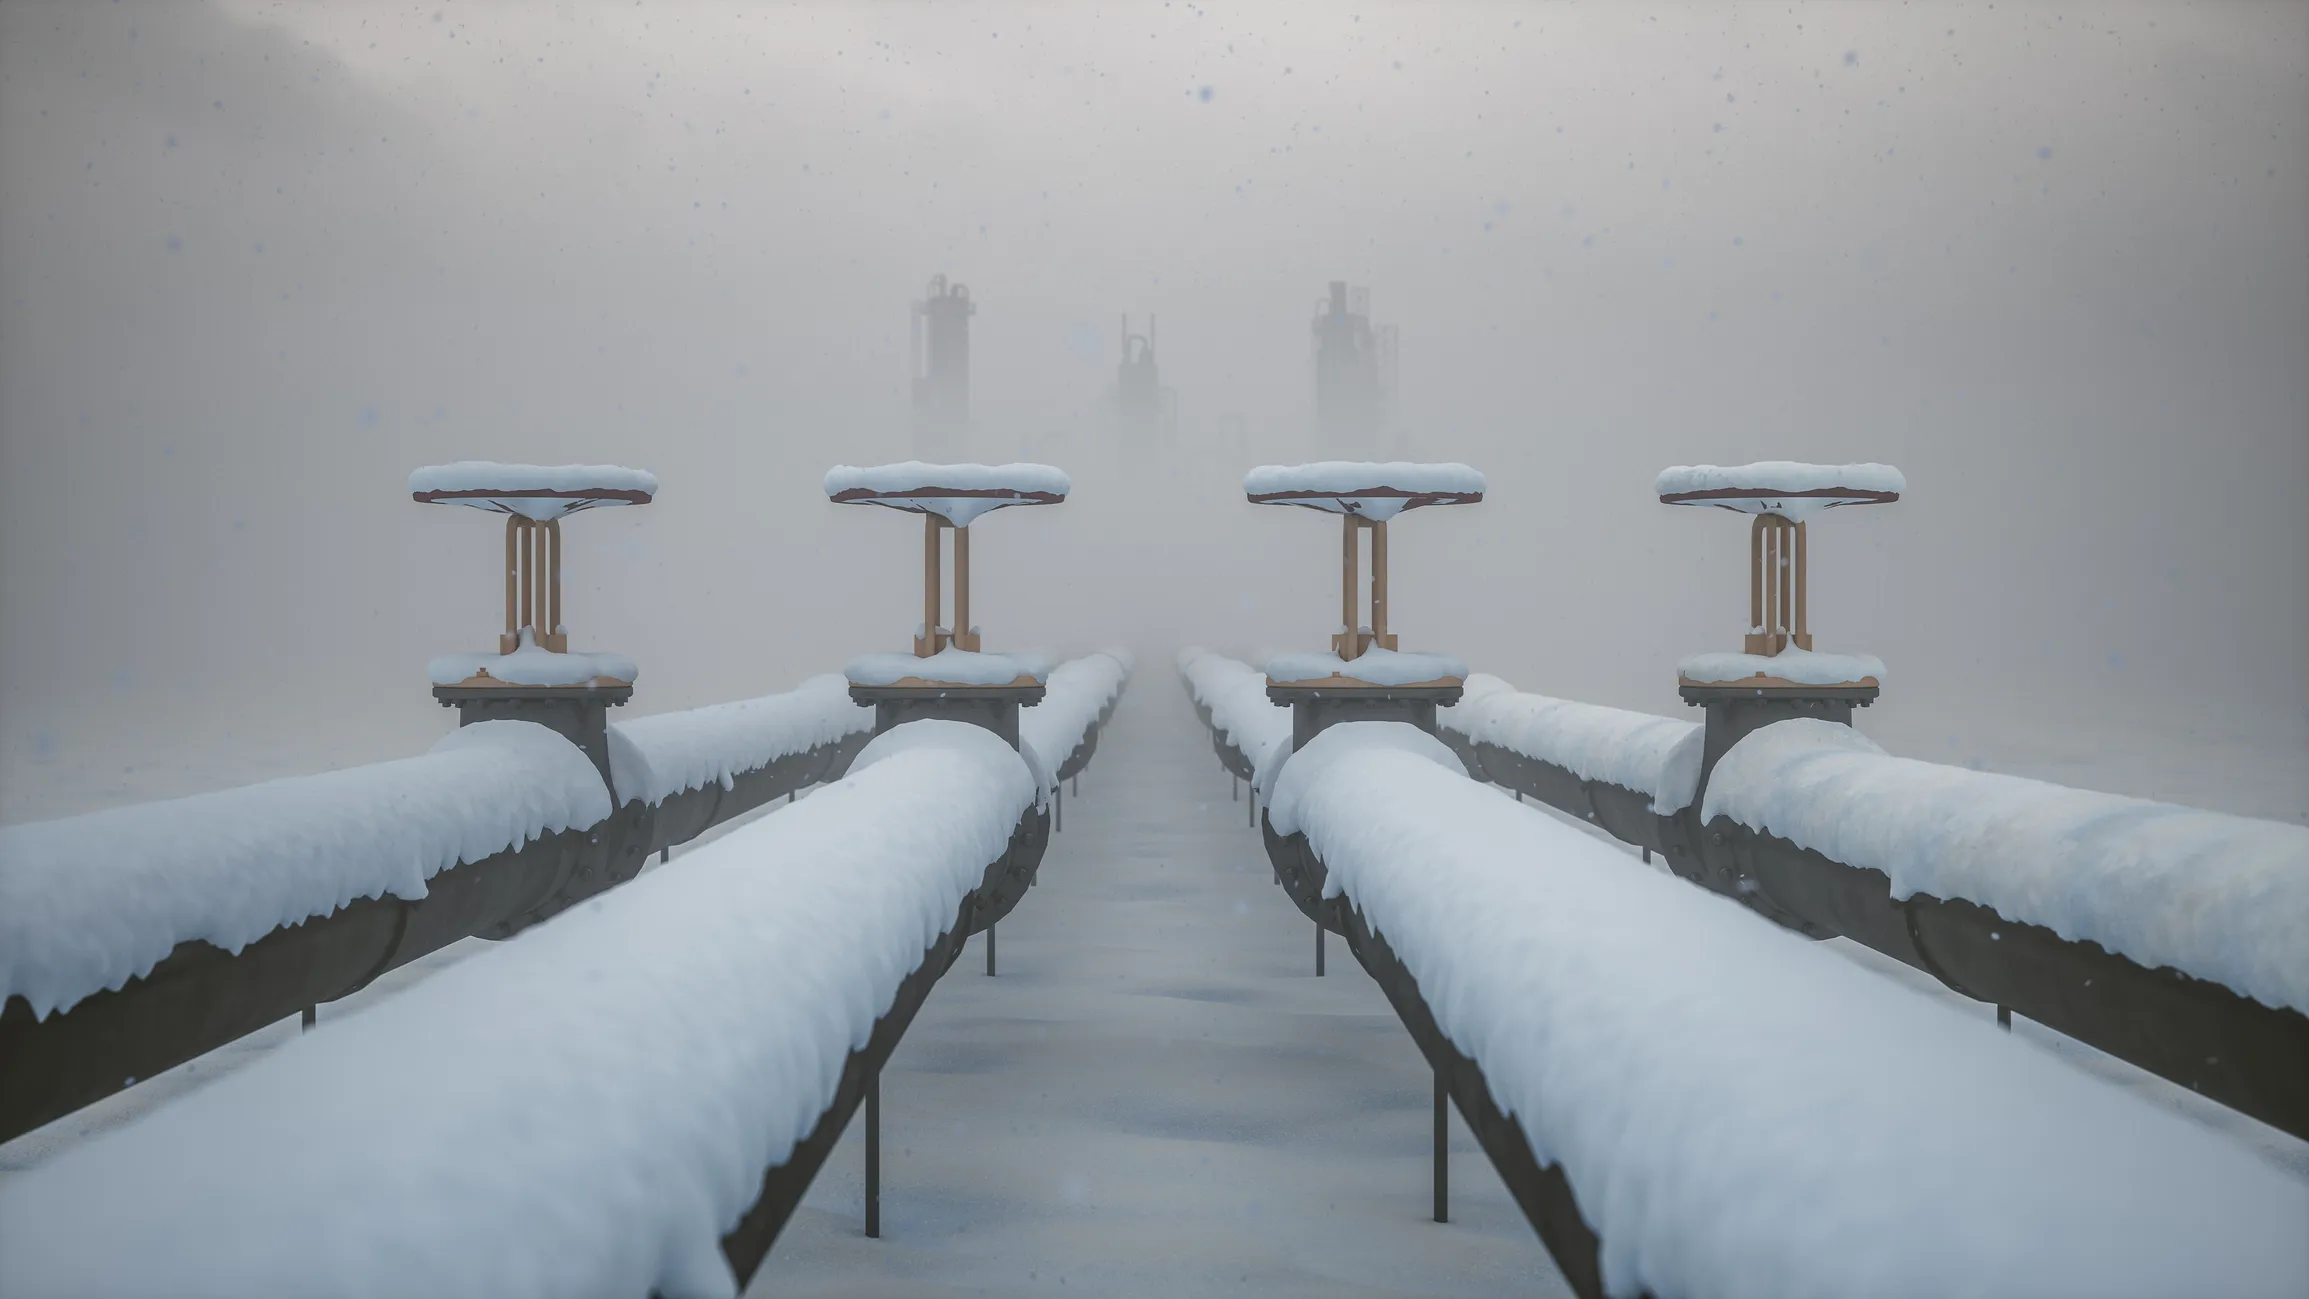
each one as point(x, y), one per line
point(1129, 665)
point(1231, 697)
point(654, 758)
point(2256, 1064)
point(89, 902)
point(2222, 898)
point(694, 769)
point(1857, 1138)
point(2166, 936)
point(1079, 696)
point(587, 1111)
point(1658, 756)
point(134, 939)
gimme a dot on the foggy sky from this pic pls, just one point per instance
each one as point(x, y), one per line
point(257, 262)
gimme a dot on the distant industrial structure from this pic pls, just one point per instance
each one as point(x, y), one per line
point(941, 372)
point(1354, 377)
point(1146, 411)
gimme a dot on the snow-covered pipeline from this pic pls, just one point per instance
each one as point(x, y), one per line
point(1079, 693)
point(654, 758)
point(89, 902)
point(1741, 1112)
point(582, 1111)
point(1658, 756)
point(1235, 695)
point(2224, 898)
point(2221, 898)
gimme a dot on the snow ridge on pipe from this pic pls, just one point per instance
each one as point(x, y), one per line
point(2224, 898)
point(1236, 695)
point(582, 1111)
point(1076, 693)
point(89, 902)
point(1654, 755)
point(1741, 1112)
point(654, 758)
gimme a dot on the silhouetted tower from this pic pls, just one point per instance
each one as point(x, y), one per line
point(1148, 411)
point(1354, 375)
point(941, 361)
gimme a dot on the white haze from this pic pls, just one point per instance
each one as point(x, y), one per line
point(258, 261)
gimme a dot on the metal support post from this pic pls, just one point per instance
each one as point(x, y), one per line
point(874, 1156)
point(1442, 1149)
